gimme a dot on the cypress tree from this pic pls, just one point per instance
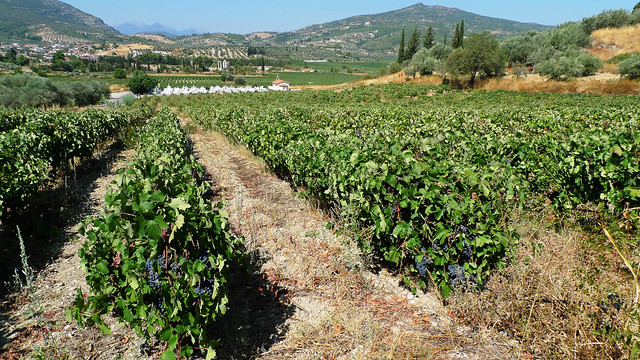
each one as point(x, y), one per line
point(461, 34)
point(456, 37)
point(413, 45)
point(401, 50)
point(428, 38)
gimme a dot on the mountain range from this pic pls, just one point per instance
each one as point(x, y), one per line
point(131, 28)
point(363, 36)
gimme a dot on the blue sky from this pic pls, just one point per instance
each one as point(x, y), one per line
point(246, 16)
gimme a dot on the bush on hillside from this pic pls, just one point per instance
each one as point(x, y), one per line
point(239, 80)
point(630, 67)
point(568, 64)
point(423, 63)
point(610, 19)
point(394, 68)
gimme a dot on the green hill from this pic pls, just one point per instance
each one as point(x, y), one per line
point(370, 36)
point(50, 21)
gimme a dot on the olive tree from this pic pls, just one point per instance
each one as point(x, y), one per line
point(424, 63)
point(631, 66)
point(141, 83)
point(481, 56)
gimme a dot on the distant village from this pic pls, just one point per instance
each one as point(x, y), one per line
point(132, 57)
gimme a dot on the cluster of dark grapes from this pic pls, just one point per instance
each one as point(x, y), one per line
point(466, 251)
point(175, 267)
point(205, 288)
point(148, 266)
point(394, 210)
point(457, 276)
point(154, 277)
point(158, 303)
point(424, 265)
point(162, 261)
point(204, 256)
point(154, 280)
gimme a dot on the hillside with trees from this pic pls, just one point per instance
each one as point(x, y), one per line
point(561, 53)
point(34, 20)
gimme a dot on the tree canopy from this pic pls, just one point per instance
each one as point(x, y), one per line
point(413, 45)
point(429, 39)
point(141, 83)
point(481, 56)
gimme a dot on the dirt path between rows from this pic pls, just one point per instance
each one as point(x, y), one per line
point(336, 307)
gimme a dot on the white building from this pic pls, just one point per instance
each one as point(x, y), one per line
point(279, 85)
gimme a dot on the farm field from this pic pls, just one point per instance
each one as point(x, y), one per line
point(179, 80)
point(339, 66)
point(294, 78)
point(478, 212)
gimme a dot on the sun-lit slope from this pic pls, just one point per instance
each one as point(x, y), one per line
point(610, 42)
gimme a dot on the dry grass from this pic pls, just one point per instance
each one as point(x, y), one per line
point(610, 42)
point(114, 88)
point(610, 68)
point(125, 49)
point(396, 78)
point(607, 82)
point(564, 285)
point(583, 86)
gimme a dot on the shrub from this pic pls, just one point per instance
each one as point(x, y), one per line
point(569, 35)
point(239, 80)
point(591, 63)
point(141, 83)
point(440, 51)
point(410, 71)
point(394, 68)
point(29, 90)
point(568, 64)
point(128, 100)
point(119, 73)
point(8, 66)
point(630, 67)
point(423, 63)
